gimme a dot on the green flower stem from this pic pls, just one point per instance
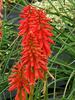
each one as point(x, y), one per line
point(45, 88)
point(31, 92)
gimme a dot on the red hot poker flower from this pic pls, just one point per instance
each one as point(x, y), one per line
point(36, 41)
point(18, 81)
point(33, 58)
point(36, 21)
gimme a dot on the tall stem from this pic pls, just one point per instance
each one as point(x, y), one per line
point(45, 87)
point(31, 92)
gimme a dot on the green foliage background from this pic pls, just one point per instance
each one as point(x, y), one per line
point(62, 62)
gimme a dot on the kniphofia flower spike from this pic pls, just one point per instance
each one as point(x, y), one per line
point(36, 35)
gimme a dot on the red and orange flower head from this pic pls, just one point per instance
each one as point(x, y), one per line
point(36, 36)
point(18, 82)
point(35, 20)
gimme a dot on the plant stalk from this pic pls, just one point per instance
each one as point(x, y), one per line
point(31, 92)
point(45, 88)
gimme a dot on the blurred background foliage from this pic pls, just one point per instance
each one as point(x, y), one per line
point(61, 63)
